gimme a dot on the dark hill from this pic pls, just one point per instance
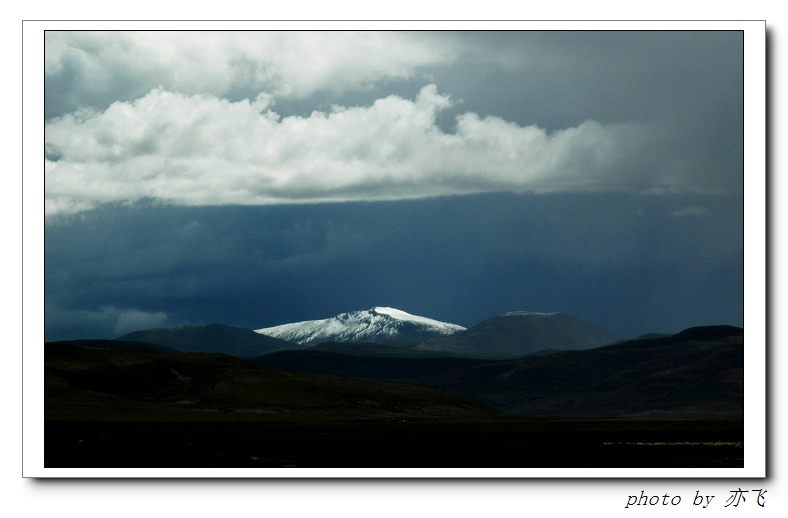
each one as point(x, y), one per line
point(377, 350)
point(361, 367)
point(699, 334)
point(213, 338)
point(683, 374)
point(83, 383)
point(518, 334)
point(116, 344)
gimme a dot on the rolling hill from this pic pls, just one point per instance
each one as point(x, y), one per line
point(129, 384)
point(362, 367)
point(698, 372)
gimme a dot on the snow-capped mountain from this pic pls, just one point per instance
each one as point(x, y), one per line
point(379, 324)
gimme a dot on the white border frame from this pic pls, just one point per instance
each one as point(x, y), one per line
point(754, 246)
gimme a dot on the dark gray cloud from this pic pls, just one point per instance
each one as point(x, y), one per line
point(625, 262)
point(560, 79)
point(690, 84)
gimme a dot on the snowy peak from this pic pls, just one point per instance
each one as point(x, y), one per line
point(379, 324)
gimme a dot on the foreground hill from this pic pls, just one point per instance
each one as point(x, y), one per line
point(84, 383)
point(213, 338)
point(519, 333)
point(133, 408)
point(116, 344)
point(362, 367)
point(377, 350)
point(378, 325)
point(699, 334)
point(699, 371)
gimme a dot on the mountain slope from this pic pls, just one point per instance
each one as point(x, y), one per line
point(685, 374)
point(378, 350)
point(520, 333)
point(379, 325)
point(110, 384)
point(213, 338)
point(699, 334)
point(116, 344)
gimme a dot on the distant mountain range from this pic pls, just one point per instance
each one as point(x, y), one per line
point(383, 331)
point(378, 325)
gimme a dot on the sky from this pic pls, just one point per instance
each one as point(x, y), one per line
point(261, 178)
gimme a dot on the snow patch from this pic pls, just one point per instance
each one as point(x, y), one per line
point(526, 313)
point(401, 315)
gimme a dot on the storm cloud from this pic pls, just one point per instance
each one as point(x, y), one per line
point(622, 261)
point(260, 178)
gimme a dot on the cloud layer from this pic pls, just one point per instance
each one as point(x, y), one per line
point(203, 150)
point(190, 118)
point(622, 261)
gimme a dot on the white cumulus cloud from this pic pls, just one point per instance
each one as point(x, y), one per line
point(95, 68)
point(204, 150)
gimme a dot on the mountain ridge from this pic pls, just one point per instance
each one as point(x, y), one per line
point(211, 338)
point(520, 333)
